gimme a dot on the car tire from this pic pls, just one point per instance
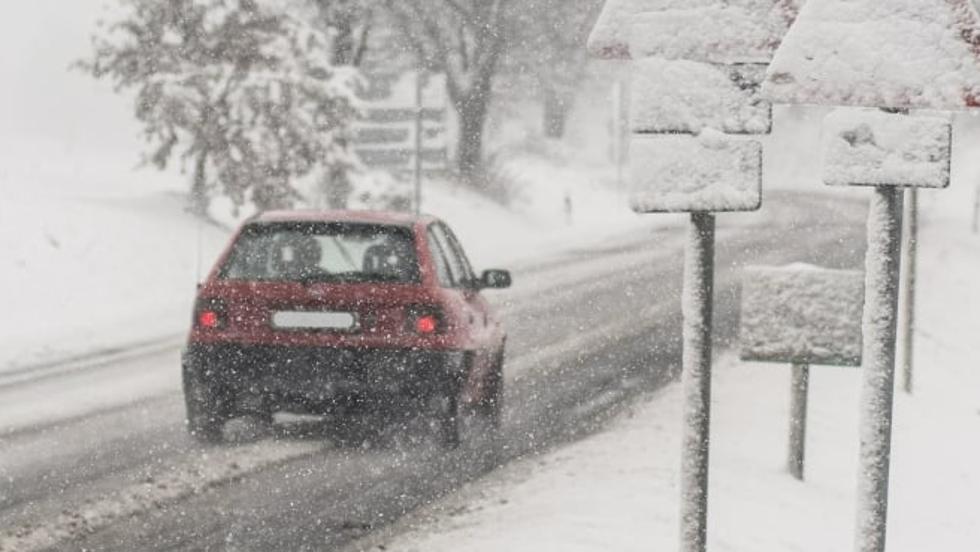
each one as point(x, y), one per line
point(207, 409)
point(448, 423)
point(493, 403)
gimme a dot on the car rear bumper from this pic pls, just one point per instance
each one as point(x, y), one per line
point(321, 378)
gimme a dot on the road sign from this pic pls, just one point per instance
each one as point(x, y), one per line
point(868, 147)
point(707, 173)
point(922, 54)
point(699, 174)
point(384, 136)
point(678, 96)
point(802, 314)
point(699, 30)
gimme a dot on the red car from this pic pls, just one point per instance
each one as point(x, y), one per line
point(344, 313)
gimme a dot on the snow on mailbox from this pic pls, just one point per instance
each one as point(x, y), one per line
point(910, 54)
point(802, 314)
point(867, 147)
point(707, 173)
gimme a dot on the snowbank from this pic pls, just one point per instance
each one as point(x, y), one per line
point(106, 263)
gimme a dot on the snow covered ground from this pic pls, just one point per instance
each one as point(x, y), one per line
point(111, 264)
point(618, 490)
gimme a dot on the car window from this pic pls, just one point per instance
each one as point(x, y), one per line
point(457, 268)
point(439, 260)
point(457, 249)
point(328, 252)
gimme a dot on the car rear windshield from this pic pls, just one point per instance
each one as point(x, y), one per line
point(323, 252)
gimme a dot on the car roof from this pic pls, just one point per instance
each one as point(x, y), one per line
point(366, 217)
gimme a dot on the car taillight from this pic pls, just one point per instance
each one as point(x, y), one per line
point(210, 314)
point(208, 319)
point(426, 324)
point(424, 320)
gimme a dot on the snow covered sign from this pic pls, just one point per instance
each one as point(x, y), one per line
point(735, 31)
point(706, 173)
point(868, 147)
point(384, 136)
point(802, 314)
point(679, 96)
point(909, 54)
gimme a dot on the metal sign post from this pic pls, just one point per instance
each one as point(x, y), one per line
point(799, 389)
point(419, 86)
point(688, 91)
point(696, 379)
point(907, 320)
point(880, 317)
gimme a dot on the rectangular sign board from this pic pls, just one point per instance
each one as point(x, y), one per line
point(687, 96)
point(710, 172)
point(802, 314)
point(868, 147)
point(384, 136)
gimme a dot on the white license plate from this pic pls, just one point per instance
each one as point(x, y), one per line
point(310, 320)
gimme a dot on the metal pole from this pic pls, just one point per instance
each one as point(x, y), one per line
point(797, 421)
point(418, 142)
point(617, 137)
point(882, 263)
point(909, 259)
point(976, 209)
point(697, 309)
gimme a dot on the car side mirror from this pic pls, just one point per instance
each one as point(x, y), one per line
point(495, 279)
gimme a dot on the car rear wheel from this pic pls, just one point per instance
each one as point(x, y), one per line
point(493, 403)
point(448, 422)
point(207, 409)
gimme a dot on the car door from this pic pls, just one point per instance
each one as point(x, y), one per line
point(458, 281)
point(486, 327)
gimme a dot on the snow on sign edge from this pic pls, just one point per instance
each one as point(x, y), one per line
point(679, 96)
point(802, 314)
point(914, 54)
point(728, 25)
point(706, 173)
point(868, 147)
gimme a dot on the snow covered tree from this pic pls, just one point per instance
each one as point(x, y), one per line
point(350, 22)
point(548, 45)
point(248, 94)
point(464, 39)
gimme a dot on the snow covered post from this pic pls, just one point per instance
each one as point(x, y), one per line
point(697, 68)
point(801, 315)
point(419, 112)
point(800, 388)
point(911, 55)
point(907, 300)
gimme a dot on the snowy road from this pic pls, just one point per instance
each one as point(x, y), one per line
point(98, 458)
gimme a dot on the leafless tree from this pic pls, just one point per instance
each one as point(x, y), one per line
point(465, 39)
